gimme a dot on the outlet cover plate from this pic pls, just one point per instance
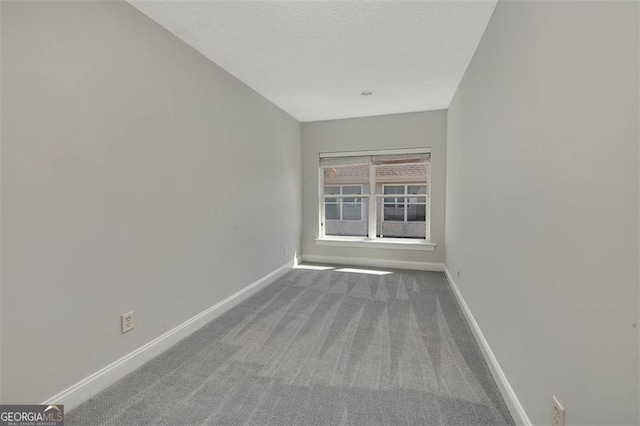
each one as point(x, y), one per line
point(558, 413)
point(127, 322)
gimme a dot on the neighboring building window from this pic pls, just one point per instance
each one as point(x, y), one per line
point(405, 209)
point(344, 208)
point(392, 189)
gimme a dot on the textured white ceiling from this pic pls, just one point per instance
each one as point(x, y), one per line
point(313, 59)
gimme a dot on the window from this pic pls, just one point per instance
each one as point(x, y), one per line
point(344, 208)
point(405, 208)
point(389, 196)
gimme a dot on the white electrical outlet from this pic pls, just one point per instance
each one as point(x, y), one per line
point(127, 322)
point(558, 413)
point(284, 250)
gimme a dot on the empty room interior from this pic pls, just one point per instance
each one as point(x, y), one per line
point(319, 212)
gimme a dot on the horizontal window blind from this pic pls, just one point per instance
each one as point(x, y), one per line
point(376, 160)
point(344, 161)
point(400, 159)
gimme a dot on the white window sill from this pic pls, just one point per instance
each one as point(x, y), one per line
point(383, 243)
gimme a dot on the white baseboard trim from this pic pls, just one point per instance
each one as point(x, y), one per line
point(375, 263)
point(513, 404)
point(86, 388)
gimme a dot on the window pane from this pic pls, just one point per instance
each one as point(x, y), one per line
point(416, 213)
point(332, 190)
point(332, 211)
point(416, 200)
point(347, 176)
point(393, 212)
point(417, 189)
point(402, 217)
point(395, 189)
point(397, 173)
point(415, 230)
point(354, 223)
point(352, 189)
point(352, 211)
point(356, 189)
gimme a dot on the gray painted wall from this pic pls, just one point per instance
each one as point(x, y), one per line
point(542, 203)
point(412, 130)
point(136, 175)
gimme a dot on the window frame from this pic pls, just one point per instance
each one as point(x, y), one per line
point(371, 240)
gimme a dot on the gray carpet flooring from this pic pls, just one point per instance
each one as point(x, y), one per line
point(317, 347)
